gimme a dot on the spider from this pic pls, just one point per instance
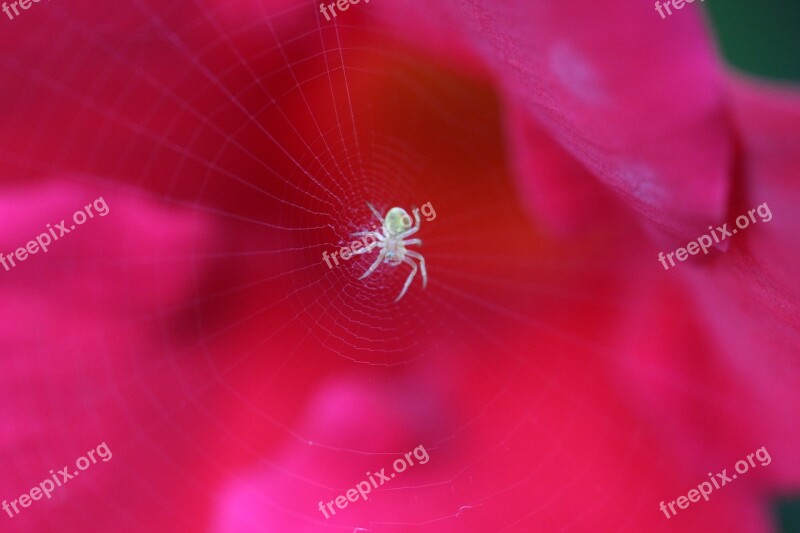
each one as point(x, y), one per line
point(391, 239)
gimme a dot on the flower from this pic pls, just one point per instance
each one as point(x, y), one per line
point(557, 376)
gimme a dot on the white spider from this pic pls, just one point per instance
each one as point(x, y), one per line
point(391, 239)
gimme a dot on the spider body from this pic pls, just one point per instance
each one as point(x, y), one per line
point(396, 221)
point(392, 242)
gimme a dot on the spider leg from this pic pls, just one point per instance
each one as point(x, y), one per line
point(368, 248)
point(413, 230)
point(418, 242)
point(375, 264)
point(375, 212)
point(410, 277)
point(376, 234)
point(377, 240)
point(418, 257)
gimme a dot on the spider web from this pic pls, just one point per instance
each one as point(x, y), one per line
point(274, 128)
